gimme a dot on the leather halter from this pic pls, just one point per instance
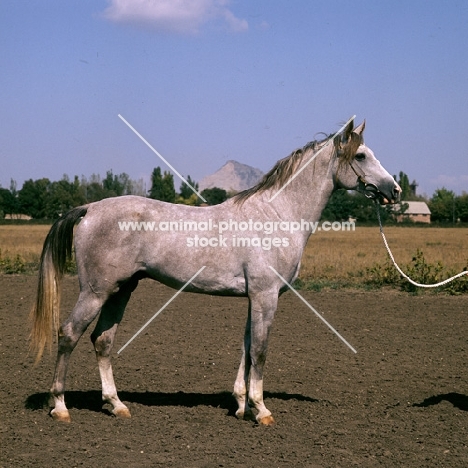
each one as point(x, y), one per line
point(369, 190)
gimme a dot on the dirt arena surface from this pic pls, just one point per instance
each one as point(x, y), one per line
point(402, 400)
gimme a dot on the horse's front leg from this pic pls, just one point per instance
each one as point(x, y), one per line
point(262, 310)
point(242, 380)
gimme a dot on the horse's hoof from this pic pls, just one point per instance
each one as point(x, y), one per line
point(122, 413)
point(246, 415)
point(266, 421)
point(239, 414)
point(62, 416)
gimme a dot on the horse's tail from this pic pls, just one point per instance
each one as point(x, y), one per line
point(57, 251)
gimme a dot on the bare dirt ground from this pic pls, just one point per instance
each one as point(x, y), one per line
point(402, 400)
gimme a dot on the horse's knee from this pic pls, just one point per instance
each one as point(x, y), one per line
point(258, 357)
point(67, 340)
point(102, 343)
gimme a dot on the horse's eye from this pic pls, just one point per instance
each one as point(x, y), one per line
point(360, 157)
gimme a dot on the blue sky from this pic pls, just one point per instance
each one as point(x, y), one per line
point(205, 81)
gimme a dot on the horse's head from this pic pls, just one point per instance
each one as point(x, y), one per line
point(358, 168)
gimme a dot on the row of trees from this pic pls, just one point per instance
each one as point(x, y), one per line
point(43, 199)
point(162, 188)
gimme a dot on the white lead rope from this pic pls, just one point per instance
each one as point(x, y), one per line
point(399, 269)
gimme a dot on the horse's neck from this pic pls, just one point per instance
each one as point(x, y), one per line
point(306, 196)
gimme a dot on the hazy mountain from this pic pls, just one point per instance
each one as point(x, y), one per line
point(232, 177)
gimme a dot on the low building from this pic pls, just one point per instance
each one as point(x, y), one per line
point(417, 211)
point(18, 216)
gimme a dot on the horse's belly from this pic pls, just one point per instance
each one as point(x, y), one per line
point(204, 282)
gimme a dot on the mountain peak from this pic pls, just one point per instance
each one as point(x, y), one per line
point(232, 177)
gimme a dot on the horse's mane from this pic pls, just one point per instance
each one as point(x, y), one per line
point(281, 171)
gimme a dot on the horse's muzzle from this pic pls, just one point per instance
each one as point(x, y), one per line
point(374, 193)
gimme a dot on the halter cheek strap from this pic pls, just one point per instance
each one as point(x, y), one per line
point(369, 190)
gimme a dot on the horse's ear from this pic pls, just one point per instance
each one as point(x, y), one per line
point(360, 129)
point(351, 139)
point(347, 131)
point(344, 137)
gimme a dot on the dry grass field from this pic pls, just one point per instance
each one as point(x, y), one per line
point(23, 240)
point(330, 256)
point(338, 256)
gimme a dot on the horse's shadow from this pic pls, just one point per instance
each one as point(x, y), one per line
point(458, 400)
point(91, 399)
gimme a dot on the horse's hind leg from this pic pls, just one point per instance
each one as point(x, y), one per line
point(103, 339)
point(84, 312)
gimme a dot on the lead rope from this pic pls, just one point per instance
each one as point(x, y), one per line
point(399, 269)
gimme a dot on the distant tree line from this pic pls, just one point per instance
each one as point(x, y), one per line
point(44, 199)
point(162, 188)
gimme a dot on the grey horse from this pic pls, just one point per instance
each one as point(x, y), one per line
point(242, 244)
